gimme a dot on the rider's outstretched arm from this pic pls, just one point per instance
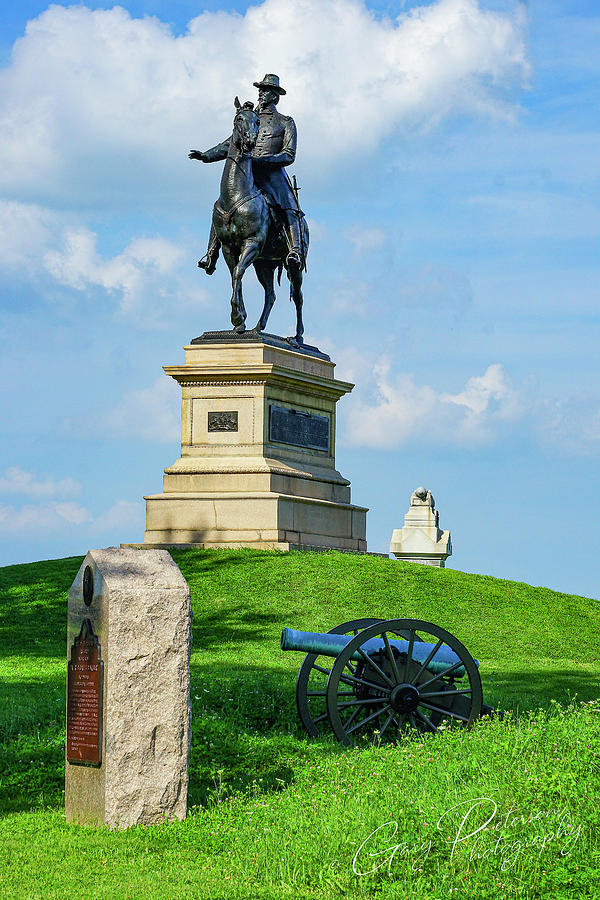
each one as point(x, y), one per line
point(218, 152)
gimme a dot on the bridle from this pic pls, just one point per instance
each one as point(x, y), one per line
point(242, 138)
point(226, 215)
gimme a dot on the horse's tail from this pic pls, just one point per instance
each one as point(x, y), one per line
point(279, 271)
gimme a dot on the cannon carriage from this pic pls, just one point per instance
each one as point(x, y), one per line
point(384, 678)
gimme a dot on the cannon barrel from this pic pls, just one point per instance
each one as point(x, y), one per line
point(333, 644)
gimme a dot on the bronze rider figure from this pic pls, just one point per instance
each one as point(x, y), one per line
point(275, 148)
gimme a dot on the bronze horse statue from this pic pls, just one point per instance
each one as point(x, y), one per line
point(249, 230)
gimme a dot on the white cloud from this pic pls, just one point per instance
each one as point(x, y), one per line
point(47, 515)
point(95, 102)
point(19, 481)
point(517, 159)
point(72, 513)
point(433, 286)
point(317, 229)
point(351, 298)
point(351, 362)
point(64, 517)
point(152, 414)
point(571, 424)
point(124, 514)
point(59, 515)
point(43, 517)
point(539, 214)
point(400, 411)
point(25, 233)
point(364, 239)
point(390, 410)
point(150, 279)
point(482, 389)
point(142, 275)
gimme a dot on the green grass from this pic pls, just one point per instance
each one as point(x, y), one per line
point(273, 814)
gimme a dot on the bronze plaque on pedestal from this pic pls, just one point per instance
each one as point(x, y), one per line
point(85, 680)
point(223, 421)
point(303, 429)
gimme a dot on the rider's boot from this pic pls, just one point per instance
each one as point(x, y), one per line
point(295, 257)
point(209, 260)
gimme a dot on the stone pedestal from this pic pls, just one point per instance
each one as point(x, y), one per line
point(421, 539)
point(257, 465)
point(128, 690)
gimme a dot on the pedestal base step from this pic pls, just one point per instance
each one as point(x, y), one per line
point(262, 545)
point(266, 520)
point(230, 541)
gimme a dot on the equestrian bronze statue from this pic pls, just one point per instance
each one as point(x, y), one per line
point(257, 219)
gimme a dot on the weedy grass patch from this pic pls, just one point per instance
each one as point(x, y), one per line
point(274, 814)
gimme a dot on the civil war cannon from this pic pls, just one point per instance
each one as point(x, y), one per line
point(388, 678)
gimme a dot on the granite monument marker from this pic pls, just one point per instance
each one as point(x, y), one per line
point(128, 690)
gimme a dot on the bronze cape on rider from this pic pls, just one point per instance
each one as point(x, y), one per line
point(275, 148)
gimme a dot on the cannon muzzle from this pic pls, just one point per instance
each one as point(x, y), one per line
point(333, 644)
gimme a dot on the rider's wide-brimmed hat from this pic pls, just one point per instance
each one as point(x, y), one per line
point(270, 82)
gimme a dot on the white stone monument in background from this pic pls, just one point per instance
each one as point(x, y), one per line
point(421, 540)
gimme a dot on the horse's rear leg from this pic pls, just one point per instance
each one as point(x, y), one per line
point(265, 272)
point(295, 276)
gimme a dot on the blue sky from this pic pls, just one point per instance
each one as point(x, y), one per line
point(449, 160)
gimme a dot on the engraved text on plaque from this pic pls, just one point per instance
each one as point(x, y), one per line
point(303, 429)
point(84, 699)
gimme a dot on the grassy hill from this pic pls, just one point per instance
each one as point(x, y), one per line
point(275, 815)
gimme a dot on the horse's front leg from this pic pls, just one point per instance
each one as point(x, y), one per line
point(232, 261)
point(250, 250)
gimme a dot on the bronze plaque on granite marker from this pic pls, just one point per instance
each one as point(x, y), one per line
point(84, 699)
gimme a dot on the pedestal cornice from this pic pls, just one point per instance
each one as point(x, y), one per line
point(195, 375)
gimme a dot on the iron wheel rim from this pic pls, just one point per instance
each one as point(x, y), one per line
point(419, 720)
point(304, 695)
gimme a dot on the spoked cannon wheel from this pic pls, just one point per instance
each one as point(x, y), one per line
point(399, 685)
point(311, 686)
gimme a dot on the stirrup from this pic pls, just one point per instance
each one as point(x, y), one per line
point(294, 258)
point(209, 261)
